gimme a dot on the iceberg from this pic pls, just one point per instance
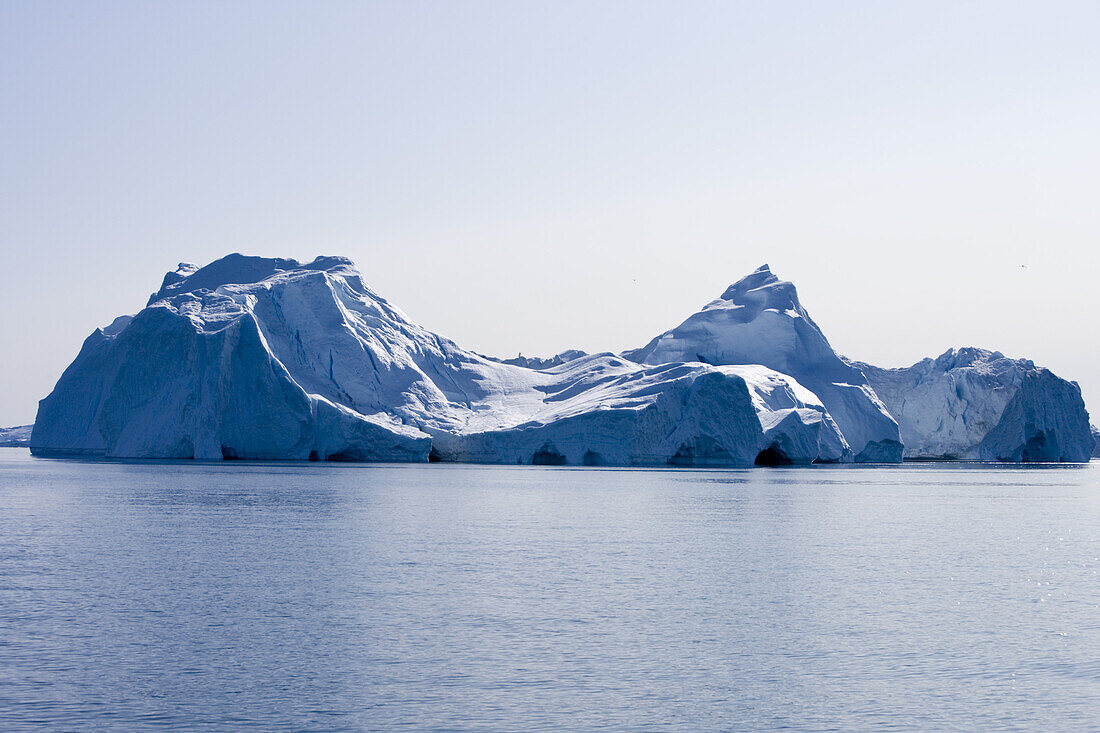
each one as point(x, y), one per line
point(975, 404)
point(271, 359)
point(1096, 441)
point(759, 320)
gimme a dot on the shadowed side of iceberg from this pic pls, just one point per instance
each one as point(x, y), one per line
point(163, 387)
point(975, 404)
point(1044, 422)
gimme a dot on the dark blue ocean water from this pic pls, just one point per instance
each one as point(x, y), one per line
point(313, 597)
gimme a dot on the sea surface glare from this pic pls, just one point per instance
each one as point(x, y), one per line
point(320, 597)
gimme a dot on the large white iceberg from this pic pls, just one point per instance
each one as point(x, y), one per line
point(975, 404)
point(759, 320)
point(258, 358)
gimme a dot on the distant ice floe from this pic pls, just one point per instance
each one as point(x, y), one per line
point(17, 437)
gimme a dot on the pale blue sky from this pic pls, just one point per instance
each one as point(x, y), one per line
point(537, 176)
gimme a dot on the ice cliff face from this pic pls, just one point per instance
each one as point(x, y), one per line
point(1096, 442)
point(259, 358)
point(759, 320)
point(979, 405)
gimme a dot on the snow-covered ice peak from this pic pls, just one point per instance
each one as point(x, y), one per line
point(759, 320)
point(760, 290)
point(238, 269)
point(761, 277)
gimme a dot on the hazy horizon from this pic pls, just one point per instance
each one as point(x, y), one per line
point(534, 177)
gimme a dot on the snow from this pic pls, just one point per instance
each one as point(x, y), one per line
point(258, 358)
point(759, 320)
point(976, 404)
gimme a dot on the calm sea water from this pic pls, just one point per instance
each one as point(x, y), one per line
point(314, 597)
